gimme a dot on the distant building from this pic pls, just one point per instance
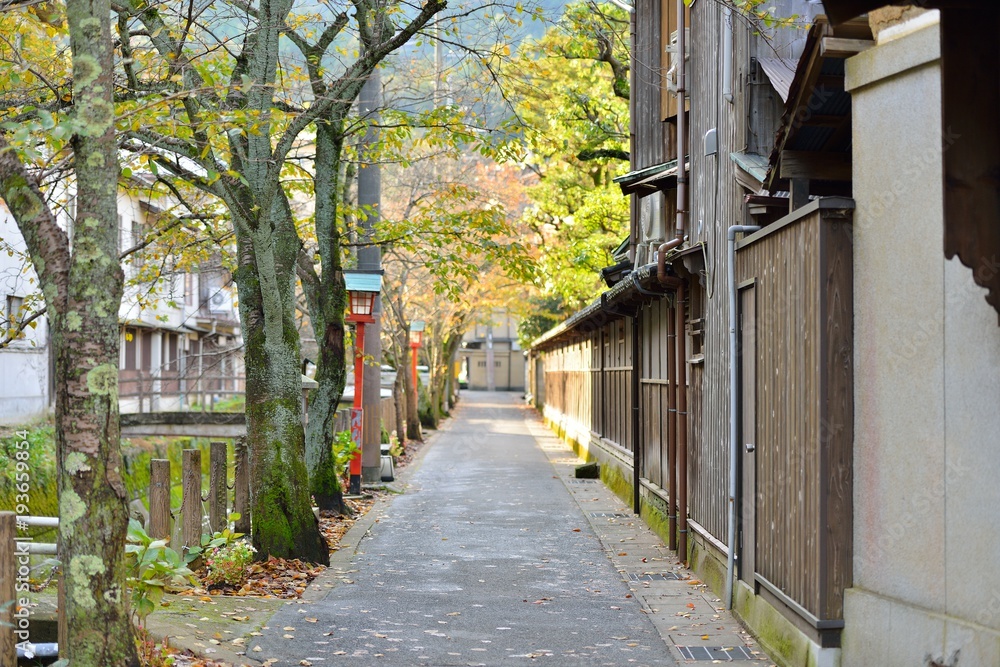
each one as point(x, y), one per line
point(181, 344)
point(491, 356)
point(184, 350)
point(25, 386)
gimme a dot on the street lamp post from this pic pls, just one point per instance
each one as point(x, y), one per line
point(362, 288)
point(416, 340)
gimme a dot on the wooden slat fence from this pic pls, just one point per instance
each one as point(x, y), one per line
point(804, 402)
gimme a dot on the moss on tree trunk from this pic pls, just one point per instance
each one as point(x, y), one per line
point(283, 524)
point(326, 299)
point(83, 290)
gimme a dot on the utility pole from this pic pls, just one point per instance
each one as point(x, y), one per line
point(370, 259)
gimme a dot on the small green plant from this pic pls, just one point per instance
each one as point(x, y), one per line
point(151, 653)
point(229, 564)
point(343, 450)
point(396, 445)
point(152, 569)
point(222, 538)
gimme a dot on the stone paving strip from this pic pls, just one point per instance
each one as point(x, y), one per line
point(691, 619)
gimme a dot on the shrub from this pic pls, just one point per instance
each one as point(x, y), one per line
point(229, 564)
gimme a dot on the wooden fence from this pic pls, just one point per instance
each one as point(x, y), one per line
point(797, 405)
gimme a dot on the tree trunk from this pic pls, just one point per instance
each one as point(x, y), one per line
point(93, 512)
point(283, 523)
point(83, 291)
point(399, 401)
point(412, 392)
point(326, 299)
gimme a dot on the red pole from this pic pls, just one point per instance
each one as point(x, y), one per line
point(356, 412)
point(413, 364)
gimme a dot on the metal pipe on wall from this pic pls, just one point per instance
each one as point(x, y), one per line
point(681, 359)
point(734, 402)
point(672, 431)
point(727, 54)
point(682, 149)
point(636, 399)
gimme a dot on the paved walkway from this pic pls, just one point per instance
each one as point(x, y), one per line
point(496, 555)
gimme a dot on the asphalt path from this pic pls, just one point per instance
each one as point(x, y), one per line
point(485, 560)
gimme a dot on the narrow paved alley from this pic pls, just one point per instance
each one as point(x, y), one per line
point(496, 555)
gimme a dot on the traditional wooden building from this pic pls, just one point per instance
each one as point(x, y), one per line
point(749, 383)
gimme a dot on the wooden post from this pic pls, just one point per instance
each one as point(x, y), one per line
point(241, 487)
point(159, 498)
point(191, 507)
point(8, 577)
point(217, 496)
point(799, 193)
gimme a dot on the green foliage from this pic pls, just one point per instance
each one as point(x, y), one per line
point(343, 450)
point(32, 449)
point(396, 445)
point(543, 313)
point(577, 137)
point(224, 538)
point(229, 564)
point(153, 568)
point(425, 408)
point(761, 14)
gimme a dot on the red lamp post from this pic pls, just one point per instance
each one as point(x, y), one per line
point(416, 339)
point(362, 288)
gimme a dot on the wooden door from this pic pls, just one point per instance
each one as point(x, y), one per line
point(748, 433)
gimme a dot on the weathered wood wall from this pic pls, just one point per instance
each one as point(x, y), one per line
point(587, 382)
point(802, 273)
point(716, 203)
point(653, 385)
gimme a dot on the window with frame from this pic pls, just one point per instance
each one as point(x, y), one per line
point(13, 307)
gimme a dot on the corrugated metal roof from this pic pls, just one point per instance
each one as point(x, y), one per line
point(639, 174)
point(780, 72)
point(805, 125)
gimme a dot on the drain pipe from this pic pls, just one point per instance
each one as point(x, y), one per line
point(636, 398)
point(672, 431)
point(727, 54)
point(661, 261)
point(734, 403)
point(681, 405)
point(682, 149)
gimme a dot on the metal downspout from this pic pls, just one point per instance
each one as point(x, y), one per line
point(661, 260)
point(682, 149)
point(672, 432)
point(734, 403)
point(681, 403)
point(636, 450)
point(727, 54)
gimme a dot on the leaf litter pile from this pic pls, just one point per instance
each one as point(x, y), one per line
point(287, 578)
